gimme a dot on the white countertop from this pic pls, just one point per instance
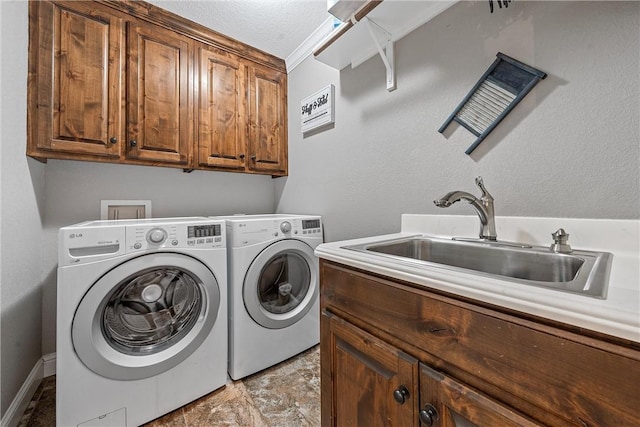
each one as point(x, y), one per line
point(617, 315)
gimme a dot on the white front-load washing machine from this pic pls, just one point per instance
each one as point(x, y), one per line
point(274, 310)
point(141, 318)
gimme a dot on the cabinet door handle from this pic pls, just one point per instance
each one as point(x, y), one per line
point(133, 143)
point(253, 158)
point(428, 414)
point(241, 156)
point(401, 394)
point(113, 140)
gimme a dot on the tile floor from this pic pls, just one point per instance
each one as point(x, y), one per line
point(286, 395)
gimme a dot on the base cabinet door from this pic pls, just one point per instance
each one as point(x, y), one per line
point(372, 383)
point(158, 94)
point(76, 82)
point(445, 402)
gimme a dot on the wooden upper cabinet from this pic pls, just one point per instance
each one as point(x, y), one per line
point(222, 125)
point(372, 383)
point(75, 86)
point(127, 82)
point(158, 94)
point(267, 120)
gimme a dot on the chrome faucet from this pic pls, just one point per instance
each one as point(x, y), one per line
point(483, 207)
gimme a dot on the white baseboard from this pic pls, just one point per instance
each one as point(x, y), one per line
point(49, 361)
point(44, 367)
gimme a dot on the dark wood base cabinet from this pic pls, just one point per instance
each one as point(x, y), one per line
point(397, 354)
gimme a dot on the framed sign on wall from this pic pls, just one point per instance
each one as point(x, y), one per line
point(318, 110)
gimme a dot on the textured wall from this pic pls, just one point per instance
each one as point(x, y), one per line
point(569, 149)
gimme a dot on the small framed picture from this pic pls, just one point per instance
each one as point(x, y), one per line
point(318, 110)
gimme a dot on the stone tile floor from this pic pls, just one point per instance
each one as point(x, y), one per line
point(285, 395)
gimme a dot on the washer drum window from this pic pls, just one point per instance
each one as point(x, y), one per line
point(151, 310)
point(145, 316)
point(281, 284)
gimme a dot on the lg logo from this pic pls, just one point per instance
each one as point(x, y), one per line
point(74, 235)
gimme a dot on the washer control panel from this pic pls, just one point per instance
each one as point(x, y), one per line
point(95, 240)
point(205, 235)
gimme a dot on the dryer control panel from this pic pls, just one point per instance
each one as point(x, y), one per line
point(250, 231)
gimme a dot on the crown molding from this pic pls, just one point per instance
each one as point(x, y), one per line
point(309, 44)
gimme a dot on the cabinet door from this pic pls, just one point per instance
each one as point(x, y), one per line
point(222, 125)
point(268, 120)
point(368, 382)
point(445, 402)
point(76, 96)
point(158, 94)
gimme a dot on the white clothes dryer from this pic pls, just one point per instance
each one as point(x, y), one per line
point(274, 310)
point(141, 318)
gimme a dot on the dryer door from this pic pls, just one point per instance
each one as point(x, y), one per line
point(145, 316)
point(281, 284)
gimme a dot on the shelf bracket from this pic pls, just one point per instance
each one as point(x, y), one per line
point(384, 44)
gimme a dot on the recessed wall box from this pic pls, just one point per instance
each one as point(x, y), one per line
point(497, 92)
point(125, 209)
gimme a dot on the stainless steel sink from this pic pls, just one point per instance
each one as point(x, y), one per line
point(580, 272)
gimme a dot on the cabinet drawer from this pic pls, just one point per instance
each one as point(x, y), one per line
point(546, 373)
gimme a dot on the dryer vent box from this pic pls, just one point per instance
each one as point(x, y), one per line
point(125, 209)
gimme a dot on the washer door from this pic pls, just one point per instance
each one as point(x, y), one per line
point(145, 316)
point(281, 284)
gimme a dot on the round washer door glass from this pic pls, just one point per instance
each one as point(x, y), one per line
point(281, 284)
point(151, 310)
point(145, 316)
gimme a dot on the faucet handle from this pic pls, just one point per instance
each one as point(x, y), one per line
point(480, 185)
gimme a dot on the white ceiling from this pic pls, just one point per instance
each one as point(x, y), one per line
point(274, 26)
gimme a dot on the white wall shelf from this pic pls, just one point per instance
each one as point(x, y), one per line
point(352, 43)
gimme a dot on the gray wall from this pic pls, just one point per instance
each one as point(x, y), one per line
point(21, 214)
point(569, 149)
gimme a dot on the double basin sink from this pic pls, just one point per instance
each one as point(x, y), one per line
point(580, 272)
